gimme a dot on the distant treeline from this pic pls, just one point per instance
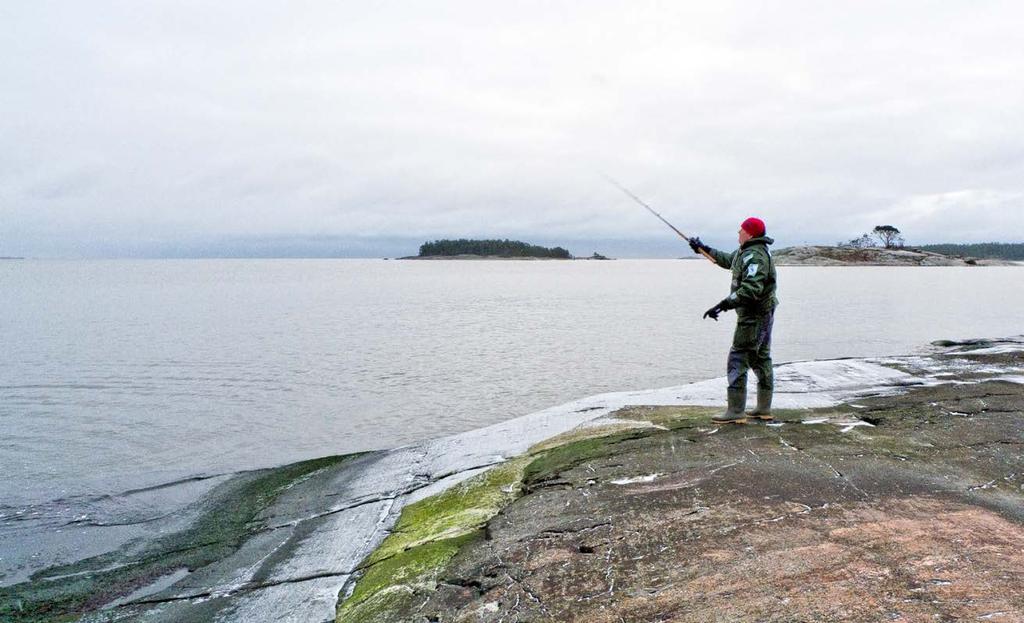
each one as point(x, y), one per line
point(502, 248)
point(995, 250)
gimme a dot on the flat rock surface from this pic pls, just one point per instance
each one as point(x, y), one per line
point(909, 509)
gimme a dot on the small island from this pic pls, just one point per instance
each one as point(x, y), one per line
point(874, 256)
point(468, 249)
point(884, 246)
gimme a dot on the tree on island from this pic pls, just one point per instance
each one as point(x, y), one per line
point(863, 242)
point(888, 235)
point(499, 248)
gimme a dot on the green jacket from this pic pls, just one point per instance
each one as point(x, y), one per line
point(753, 277)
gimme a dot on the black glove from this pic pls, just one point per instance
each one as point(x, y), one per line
point(717, 309)
point(697, 245)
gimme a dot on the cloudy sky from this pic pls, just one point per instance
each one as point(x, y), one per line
point(363, 128)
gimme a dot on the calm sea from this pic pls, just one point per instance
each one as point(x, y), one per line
point(123, 374)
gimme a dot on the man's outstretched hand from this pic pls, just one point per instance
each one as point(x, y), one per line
point(697, 245)
point(714, 311)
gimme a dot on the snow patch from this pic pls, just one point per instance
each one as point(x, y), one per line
point(848, 426)
point(636, 479)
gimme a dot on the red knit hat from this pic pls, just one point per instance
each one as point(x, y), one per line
point(753, 226)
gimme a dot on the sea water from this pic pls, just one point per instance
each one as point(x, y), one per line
point(118, 375)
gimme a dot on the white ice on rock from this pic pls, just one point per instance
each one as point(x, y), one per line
point(634, 480)
point(995, 347)
point(1002, 349)
point(848, 426)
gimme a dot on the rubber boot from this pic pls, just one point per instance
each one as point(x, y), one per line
point(734, 414)
point(764, 405)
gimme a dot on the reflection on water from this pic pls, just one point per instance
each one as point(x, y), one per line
point(124, 374)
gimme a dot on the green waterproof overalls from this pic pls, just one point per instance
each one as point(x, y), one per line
point(753, 297)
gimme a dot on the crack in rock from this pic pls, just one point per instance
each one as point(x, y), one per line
point(560, 531)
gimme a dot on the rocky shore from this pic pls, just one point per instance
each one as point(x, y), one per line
point(902, 505)
point(887, 489)
point(873, 256)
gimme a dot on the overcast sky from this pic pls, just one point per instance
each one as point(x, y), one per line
point(149, 128)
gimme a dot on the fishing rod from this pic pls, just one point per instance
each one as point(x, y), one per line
point(651, 210)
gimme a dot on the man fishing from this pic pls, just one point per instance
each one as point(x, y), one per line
point(753, 297)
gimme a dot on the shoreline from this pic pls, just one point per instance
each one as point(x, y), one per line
point(318, 529)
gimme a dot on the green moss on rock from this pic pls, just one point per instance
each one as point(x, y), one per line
point(388, 585)
point(455, 511)
point(666, 416)
point(552, 462)
point(425, 537)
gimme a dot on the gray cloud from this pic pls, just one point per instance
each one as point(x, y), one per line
point(168, 124)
